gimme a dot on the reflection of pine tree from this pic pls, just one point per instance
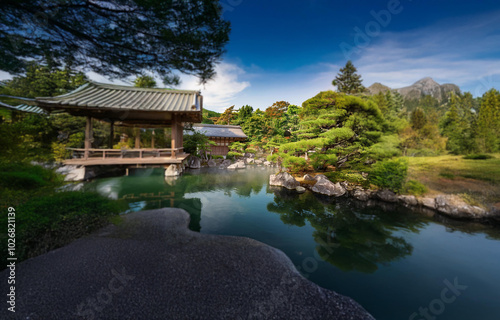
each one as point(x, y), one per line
point(348, 238)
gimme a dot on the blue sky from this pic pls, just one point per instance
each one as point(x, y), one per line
point(291, 50)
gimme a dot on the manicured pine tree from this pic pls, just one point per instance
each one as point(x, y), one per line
point(348, 81)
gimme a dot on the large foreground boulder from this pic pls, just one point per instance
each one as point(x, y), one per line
point(152, 259)
point(283, 179)
point(326, 187)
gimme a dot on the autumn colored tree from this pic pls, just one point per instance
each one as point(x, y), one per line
point(227, 117)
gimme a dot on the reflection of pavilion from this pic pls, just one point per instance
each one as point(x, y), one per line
point(154, 193)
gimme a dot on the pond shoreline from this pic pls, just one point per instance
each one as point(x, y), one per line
point(451, 206)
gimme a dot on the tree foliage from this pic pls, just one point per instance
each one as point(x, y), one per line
point(115, 38)
point(145, 81)
point(340, 126)
point(348, 81)
point(44, 80)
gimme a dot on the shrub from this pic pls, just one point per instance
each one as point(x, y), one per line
point(48, 222)
point(389, 174)
point(233, 154)
point(320, 161)
point(295, 164)
point(251, 150)
point(215, 157)
point(352, 177)
point(20, 176)
point(59, 151)
point(414, 188)
point(478, 157)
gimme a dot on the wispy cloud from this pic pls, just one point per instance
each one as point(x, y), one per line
point(462, 51)
point(220, 92)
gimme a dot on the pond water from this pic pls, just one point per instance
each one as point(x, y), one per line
point(397, 263)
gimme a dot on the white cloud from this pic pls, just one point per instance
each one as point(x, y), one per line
point(220, 92)
point(462, 51)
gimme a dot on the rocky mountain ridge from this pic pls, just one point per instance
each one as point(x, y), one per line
point(425, 86)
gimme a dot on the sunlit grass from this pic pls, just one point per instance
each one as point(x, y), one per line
point(479, 179)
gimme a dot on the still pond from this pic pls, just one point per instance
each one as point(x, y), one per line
point(398, 264)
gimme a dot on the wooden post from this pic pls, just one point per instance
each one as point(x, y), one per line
point(153, 139)
point(88, 137)
point(174, 135)
point(137, 138)
point(180, 136)
point(111, 134)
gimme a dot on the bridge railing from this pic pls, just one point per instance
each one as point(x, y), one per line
point(78, 153)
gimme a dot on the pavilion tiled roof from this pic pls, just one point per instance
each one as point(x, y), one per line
point(219, 131)
point(24, 108)
point(113, 97)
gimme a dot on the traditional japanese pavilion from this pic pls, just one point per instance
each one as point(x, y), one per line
point(132, 107)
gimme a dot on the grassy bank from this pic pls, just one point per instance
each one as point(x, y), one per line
point(46, 219)
point(476, 180)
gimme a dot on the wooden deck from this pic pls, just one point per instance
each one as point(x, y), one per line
point(109, 157)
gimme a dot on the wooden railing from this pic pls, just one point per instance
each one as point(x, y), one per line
point(124, 153)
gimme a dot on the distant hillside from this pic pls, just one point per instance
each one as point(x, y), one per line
point(377, 87)
point(425, 86)
point(208, 114)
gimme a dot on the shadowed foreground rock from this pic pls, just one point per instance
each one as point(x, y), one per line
point(153, 267)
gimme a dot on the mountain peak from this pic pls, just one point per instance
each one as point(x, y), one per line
point(426, 81)
point(424, 86)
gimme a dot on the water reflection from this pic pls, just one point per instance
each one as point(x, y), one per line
point(348, 235)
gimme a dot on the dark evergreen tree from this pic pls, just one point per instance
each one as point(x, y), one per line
point(115, 38)
point(348, 81)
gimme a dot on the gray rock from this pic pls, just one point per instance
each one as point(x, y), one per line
point(226, 163)
point(308, 177)
point(361, 194)
point(194, 162)
point(173, 170)
point(325, 186)
point(386, 195)
point(258, 161)
point(250, 161)
point(427, 202)
point(300, 189)
point(238, 165)
point(267, 163)
point(283, 179)
point(249, 155)
point(211, 163)
point(320, 176)
point(453, 205)
point(72, 173)
point(408, 200)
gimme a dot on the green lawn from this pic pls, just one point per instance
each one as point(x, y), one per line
point(479, 179)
